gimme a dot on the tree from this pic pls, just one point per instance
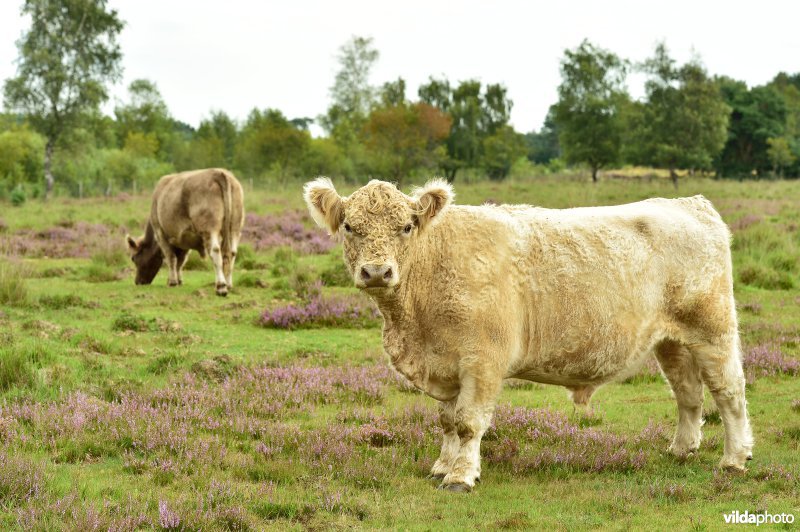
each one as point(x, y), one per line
point(269, 142)
point(65, 60)
point(145, 114)
point(543, 145)
point(475, 115)
point(219, 131)
point(404, 137)
point(587, 112)
point(757, 115)
point(686, 116)
point(351, 92)
point(780, 154)
point(501, 150)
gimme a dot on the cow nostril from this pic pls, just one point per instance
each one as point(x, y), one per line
point(365, 274)
point(388, 274)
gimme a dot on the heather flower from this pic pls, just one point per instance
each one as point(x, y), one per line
point(767, 360)
point(322, 311)
point(167, 519)
point(288, 229)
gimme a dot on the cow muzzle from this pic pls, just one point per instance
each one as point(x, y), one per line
point(376, 276)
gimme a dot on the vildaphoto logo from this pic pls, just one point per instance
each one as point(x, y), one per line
point(746, 518)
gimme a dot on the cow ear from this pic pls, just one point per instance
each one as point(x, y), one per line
point(431, 199)
point(324, 204)
point(133, 246)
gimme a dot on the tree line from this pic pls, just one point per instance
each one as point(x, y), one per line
point(53, 132)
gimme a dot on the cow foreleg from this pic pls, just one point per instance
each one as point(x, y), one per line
point(473, 413)
point(172, 262)
point(450, 440)
point(215, 252)
point(180, 256)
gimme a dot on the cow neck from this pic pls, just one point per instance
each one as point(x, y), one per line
point(149, 235)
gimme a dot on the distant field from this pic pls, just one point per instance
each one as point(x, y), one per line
point(152, 407)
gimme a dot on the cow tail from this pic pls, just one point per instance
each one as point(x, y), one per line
point(227, 220)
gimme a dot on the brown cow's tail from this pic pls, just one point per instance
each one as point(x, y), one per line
point(227, 220)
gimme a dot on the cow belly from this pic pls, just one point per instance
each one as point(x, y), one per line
point(594, 360)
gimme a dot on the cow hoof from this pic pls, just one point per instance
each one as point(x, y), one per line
point(456, 487)
point(222, 290)
point(436, 476)
point(749, 456)
point(173, 283)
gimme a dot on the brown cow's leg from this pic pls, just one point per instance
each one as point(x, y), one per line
point(473, 413)
point(450, 441)
point(227, 265)
point(170, 259)
point(214, 250)
point(683, 375)
point(721, 367)
point(180, 255)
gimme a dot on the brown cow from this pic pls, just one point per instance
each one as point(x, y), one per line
point(574, 297)
point(200, 210)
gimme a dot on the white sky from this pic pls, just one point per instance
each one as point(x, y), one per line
point(238, 54)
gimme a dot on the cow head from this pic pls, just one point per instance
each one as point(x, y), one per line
point(377, 223)
point(147, 257)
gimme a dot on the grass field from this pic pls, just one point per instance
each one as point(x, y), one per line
point(150, 407)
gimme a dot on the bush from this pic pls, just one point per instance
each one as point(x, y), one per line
point(761, 276)
point(13, 290)
point(130, 322)
point(16, 370)
point(18, 196)
point(196, 263)
point(246, 259)
point(62, 301)
point(336, 275)
point(250, 280)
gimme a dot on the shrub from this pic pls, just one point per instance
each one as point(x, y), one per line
point(761, 276)
point(336, 275)
point(62, 301)
point(16, 370)
point(250, 280)
point(13, 290)
point(246, 258)
point(196, 263)
point(18, 196)
point(130, 322)
point(100, 273)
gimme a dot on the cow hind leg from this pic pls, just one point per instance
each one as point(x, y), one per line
point(683, 374)
point(721, 368)
point(214, 250)
point(581, 396)
point(450, 440)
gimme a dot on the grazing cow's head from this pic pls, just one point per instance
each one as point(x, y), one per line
point(147, 257)
point(377, 223)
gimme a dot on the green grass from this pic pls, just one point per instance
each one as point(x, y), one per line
point(239, 457)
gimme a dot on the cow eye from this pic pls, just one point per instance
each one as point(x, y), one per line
point(348, 228)
point(407, 229)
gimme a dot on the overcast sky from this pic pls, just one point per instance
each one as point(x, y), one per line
point(235, 55)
